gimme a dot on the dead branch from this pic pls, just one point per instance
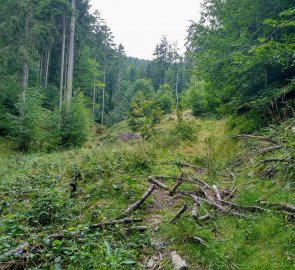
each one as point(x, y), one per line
point(179, 214)
point(217, 193)
point(270, 149)
point(178, 262)
point(157, 183)
point(204, 218)
point(200, 240)
point(179, 182)
point(141, 201)
point(165, 177)
point(270, 160)
point(242, 207)
point(114, 222)
point(219, 207)
point(248, 136)
point(282, 206)
point(187, 165)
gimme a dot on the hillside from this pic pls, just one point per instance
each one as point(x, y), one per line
point(52, 206)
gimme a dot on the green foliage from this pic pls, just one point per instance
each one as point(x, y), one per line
point(75, 123)
point(30, 125)
point(144, 114)
point(165, 98)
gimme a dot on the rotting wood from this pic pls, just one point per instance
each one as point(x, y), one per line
point(157, 183)
point(138, 203)
point(179, 213)
point(178, 262)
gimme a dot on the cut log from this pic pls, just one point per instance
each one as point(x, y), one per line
point(179, 214)
point(115, 222)
point(141, 201)
point(158, 183)
point(178, 262)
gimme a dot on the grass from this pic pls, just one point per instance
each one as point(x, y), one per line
point(36, 201)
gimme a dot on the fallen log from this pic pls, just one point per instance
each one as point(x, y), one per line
point(141, 201)
point(178, 262)
point(248, 136)
point(179, 214)
point(114, 222)
point(157, 183)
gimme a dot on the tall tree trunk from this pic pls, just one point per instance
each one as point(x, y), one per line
point(176, 86)
point(103, 96)
point(93, 99)
point(62, 66)
point(47, 67)
point(25, 69)
point(69, 92)
point(41, 68)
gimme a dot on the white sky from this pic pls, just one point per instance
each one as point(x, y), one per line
point(140, 24)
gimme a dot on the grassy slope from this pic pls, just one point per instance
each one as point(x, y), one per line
point(36, 201)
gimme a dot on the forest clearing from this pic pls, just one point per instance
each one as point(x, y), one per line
point(182, 160)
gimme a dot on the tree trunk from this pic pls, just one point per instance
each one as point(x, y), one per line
point(93, 99)
point(103, 96)
point(25, 69)
point(62, 67)
point(69, 92)
point(47, 67)
point(41, 68)
point(176, 86)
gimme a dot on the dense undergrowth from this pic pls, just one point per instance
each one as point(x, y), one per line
point(37, 200)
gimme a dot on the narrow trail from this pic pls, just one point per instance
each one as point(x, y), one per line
point(162, 202)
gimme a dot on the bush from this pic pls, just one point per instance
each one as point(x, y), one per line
point(165, 98)
point(75, 123)
point(144, 114)
point(28, 128)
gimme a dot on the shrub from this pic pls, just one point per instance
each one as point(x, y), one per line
point(144, 114)
point(165, 98)
point(75, 123)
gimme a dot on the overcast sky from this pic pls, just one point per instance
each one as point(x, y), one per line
point(140, 24)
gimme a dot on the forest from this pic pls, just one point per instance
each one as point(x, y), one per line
point(183, 161)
